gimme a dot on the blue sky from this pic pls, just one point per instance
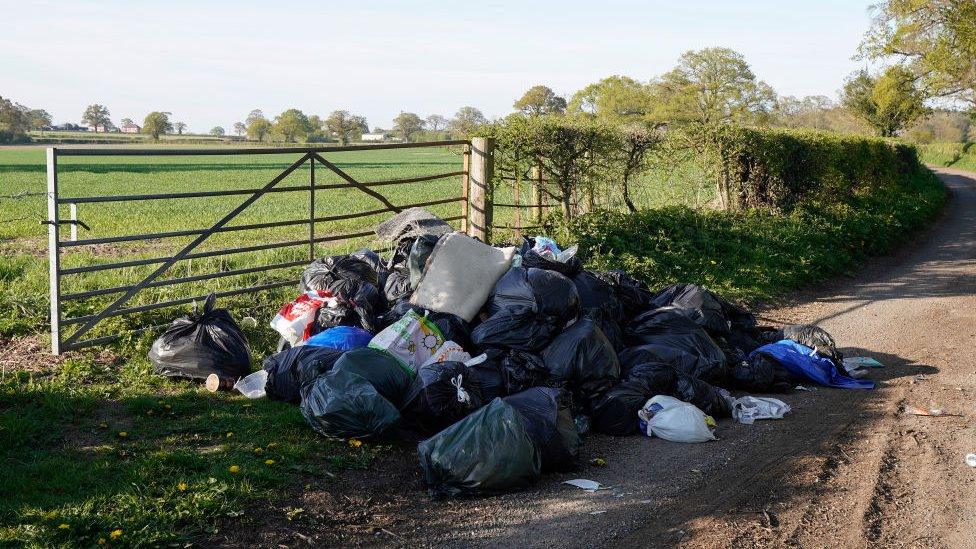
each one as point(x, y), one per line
point(209, 63)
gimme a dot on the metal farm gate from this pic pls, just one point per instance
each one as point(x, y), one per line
point(474, 214)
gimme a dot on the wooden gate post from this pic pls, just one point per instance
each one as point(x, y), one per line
point(479, 188)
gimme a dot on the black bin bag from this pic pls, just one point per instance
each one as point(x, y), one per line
point(341, 404)
point(519, 370)
point(199, 345)
point(445, 392)
point(339, 274)
point(527, 307)
point(532, 258)
point(382, 371)
point(760, 373)
point(397, 285)
point(632, 294)
point(376, 262)
point(292, 369)
point(669, 328)
point(616, 412)
point(549, 418)
point(702, 394)
point(583, 360)
point(488, 452)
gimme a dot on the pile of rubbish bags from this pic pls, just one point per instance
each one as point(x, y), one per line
point(503, 358)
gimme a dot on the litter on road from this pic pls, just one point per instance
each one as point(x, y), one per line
point(505, 357)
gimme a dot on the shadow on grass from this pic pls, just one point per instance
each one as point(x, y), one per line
point(153, 461)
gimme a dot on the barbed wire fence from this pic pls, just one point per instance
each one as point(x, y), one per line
point(21, 196)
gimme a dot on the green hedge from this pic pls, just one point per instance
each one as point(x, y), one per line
point(780, 168)
point(757, 254)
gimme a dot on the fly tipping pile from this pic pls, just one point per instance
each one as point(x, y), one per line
point(503, 357)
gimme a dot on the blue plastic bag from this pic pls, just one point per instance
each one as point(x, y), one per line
point(802, 361)
point(343, 338)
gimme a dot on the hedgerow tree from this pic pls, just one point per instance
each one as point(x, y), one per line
point(180, 127)
point(615, 99)
point(344, 125)
point(710, 87)
point(37, 119)
point(935, 39)
point(630, 154)
point(217, 131)
point(291, 125)
point(239, 128)
point(97, 116)
point(406, 124)
point(888, 103)
point(539, 100)
point(13, 121)
point(157, 123)
point(466, 121)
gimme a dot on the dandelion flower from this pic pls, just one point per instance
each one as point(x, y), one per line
point(123, 434)
point(355, 442)
point(234, 469)
point(230, 434)
point(63, 526)
point(168, 407)
point(103, 425)
point(269, 462)
point(101, 541)
point(51, 515)
point(258, 450)
point(181, 487)
point(272, 444)
point(116, 534)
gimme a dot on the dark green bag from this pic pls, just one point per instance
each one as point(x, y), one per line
point(489, 451)
point(344, 405)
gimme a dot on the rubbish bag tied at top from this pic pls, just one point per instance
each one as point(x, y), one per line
point(199, 345)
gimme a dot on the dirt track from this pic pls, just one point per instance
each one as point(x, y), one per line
point(844, 468)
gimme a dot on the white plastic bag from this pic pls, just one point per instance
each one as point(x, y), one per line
point(748, 409)
point(412, 340)
point(295, 318)
point(449, 352)
point(671, 419)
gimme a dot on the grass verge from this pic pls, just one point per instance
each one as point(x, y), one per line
point(756, 254)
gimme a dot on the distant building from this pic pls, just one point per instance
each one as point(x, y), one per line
point(131, 128)
point(381, 136)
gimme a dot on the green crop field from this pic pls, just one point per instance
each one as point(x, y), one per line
point(23, 238)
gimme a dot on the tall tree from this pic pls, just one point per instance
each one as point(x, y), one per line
point(292, 125)
point(157, 123)
point(466, 121)
point(259, 128)
point(631, 153)
point(240, 128)
point(436, 122)
point(539, 100)
point(406, 124)
point(255, 114)
point(38, 119)
point(13, 121)
point(712, 86)
point(126, 121)
point(936, 40)
point(217, 131)
point(345, 126)
point(97, 116)
point(180, 127)
point(887, 103)
point(616, 99)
